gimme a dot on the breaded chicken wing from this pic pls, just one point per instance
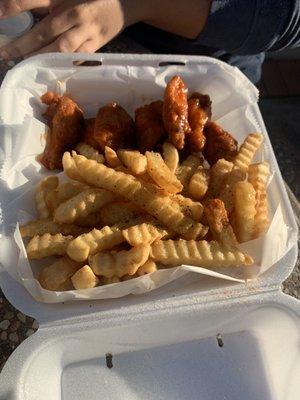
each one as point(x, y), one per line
point(219, 143)
point(175, 111)
point(113, 127)
point(149, 125)
point(65, 120)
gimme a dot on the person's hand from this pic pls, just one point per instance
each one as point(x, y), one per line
point(71, 26)
point(87, 25)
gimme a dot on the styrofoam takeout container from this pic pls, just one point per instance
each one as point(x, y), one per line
point(198, 338)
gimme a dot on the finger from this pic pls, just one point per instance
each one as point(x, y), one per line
point(89, 46)
point(39, 36)
point(13, 7)
point(68, 42)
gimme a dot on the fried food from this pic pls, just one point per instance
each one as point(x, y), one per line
point(58, 274)
point(42, 226)
point(217, 218)
point(161, 174)
point(198, 253)
point(150, 126)
point(219, 143)
point(119, 211)
point(204, 102)
point(197, 119)
point(189, 207)
point(134, 161)
point(84, 278)
point(244, 157)
point(65, 121)
point(89, 152)
point(244, 211)
point(258, 175)
point(113, 128)
point(47, 245)
point(124, 262)
point(175, 112)
point(143, 233)
point(187, 169)
point(70, 168)
point(228, 188)
point(149, 267)
point(44, 188)
point(199, 182)
point(171, 156)
point(218, 174)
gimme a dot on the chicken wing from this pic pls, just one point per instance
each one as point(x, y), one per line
point(219, 143)
point(113, 128)
point(149, 125)
point(65, 121)
point(175, 111)
point(197, 120)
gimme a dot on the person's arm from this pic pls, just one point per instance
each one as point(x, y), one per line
point(85, 26)
point(252, 27)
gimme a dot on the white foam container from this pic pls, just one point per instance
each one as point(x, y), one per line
point(164, 343)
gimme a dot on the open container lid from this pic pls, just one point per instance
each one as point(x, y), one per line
point(170, 333)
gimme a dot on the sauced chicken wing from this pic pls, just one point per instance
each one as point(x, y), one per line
point(204, 102)
point(65, 120)
point(113, 128)
point(149, 125)
point(175, 111)
point(219, 143)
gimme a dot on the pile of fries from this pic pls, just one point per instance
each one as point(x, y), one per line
point(123, 214)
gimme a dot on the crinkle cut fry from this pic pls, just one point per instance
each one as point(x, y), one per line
point(198, 253)
point(47, 245)
point(248, 149)
point(132, 189)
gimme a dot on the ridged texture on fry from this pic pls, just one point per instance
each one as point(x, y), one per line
point(47, 245)
point(120, 263)
point(189, 207)
point(63, 192)
point(108, 281)
point(217, 218)
point(258, 175)
point(42, 226)
point(171, 156)
point(92, 242)
point(218, 174)
point(186, 170)
point(44, 187)
point(161, 207)
point(111, 158)
point(244, 211)
point(143, 233)
point(119, 211)
point(200, 253)
point(89, 152)
point(84, 278)
point(199, 183)
point(134, 161)
point(227, 193)
point(86, 202)
point(248, 149)
point(70, 168)
point(149, 267)
point(56, 276)
point(161, 174)
point(91, 220)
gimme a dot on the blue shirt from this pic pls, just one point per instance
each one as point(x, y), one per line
point(237, 31)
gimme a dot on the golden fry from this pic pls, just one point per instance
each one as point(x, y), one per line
point(244, 206)
point(94, 241)
point(227, 193)
point(108, 281)
point(217, 218)
point(85, 203)
point(198, 185)
point(187, 169)
point(160, 207)
point(70, 168)
point(143, 233)
point(84, 278)
point(258, 175)
point(111, 157)
point(119, 211)
point(42, 226)
point(134, 161)
point(45, 186)
point(91, 220)
point(48, 245)
point(218, 174)
point(161, 174)
point(200, 253)
point(189, 207)
point(248, 149)
point(120, 263)
point(63, 192)
point(171, 156)
point(89, 152)
point(57, 275)
point(147, 268)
